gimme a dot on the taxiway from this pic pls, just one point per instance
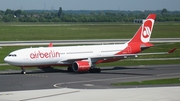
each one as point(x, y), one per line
point(62, 85)
point(60, 78)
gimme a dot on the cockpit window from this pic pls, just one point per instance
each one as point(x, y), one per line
point(12, 55)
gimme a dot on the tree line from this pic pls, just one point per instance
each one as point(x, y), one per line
point(84, 15)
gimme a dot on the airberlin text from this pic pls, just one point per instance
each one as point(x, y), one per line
point(39, 54)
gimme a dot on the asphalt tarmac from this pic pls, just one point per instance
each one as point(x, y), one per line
point(59, 78)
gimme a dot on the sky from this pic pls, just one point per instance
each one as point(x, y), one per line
point(171, 5)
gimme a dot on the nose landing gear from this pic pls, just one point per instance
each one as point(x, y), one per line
point(23, 70)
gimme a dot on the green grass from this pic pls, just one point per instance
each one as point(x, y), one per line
point(13, 33)
point(9, 67)
point(150, 82)
point(29, 31)
point(136, 63)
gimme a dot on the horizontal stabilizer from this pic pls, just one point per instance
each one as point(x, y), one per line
point(172, 50)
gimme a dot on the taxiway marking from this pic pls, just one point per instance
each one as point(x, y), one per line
point(99, 80)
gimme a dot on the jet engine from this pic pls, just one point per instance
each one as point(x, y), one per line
point(81, 66)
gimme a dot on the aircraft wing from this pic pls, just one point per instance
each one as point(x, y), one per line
point(170, 51)
point(119, 56)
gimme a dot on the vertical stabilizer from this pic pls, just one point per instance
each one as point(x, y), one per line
point(144, 32)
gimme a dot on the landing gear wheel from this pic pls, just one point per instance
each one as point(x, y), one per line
point(95, 70)
point(23, 72)
point(70, 69)
point(98, 70)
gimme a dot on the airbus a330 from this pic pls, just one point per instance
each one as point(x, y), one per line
point(85, 58)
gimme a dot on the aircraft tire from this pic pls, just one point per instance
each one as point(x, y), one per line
point(23, 72)
point(70, 69)
point(95, 70)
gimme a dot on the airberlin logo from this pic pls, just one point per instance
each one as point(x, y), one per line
point(146, 30)
point(39, 54)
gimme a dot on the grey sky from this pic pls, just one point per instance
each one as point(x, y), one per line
point(91, 4)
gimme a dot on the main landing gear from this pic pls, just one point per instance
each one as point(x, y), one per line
point(91, 70)
point(23, 70)
point(70, 69)
point(95, 70)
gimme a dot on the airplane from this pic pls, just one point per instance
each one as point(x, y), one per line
point(84, 58)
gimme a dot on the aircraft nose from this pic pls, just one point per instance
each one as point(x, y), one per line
point(13, 61)
point(7, 60)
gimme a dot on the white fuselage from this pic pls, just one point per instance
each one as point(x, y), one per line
point(44, 56)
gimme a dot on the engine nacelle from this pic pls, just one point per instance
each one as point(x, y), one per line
point(81, 66)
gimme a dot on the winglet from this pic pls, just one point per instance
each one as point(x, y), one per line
point(50, 45)
point(172, 50)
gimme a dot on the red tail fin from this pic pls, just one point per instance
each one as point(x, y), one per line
point(144, 32)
